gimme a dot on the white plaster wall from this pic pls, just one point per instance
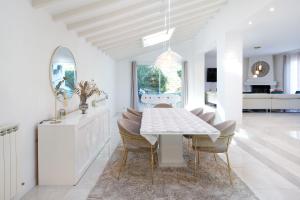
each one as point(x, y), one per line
point(186, 50)
point(246, 88)
point(28, 38)
point(279, 71)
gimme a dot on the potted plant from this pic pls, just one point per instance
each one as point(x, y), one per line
point(84, 90)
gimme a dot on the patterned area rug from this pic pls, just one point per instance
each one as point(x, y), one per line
point(211, 181)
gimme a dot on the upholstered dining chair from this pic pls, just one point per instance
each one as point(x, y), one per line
point(208, 118)
point(135, 112)
point(204, 144)
point(130, 116)
point(134, 142)
point(163, 105)
point(197, 111)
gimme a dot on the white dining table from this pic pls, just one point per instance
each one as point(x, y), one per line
point(167, 126)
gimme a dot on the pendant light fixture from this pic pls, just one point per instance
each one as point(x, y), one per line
point(168, 58)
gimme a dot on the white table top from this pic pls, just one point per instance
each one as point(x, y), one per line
point(174, 121)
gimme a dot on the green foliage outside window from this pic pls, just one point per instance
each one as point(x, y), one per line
point(150, 79)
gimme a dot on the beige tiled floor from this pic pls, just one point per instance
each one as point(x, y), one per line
point(271, 171)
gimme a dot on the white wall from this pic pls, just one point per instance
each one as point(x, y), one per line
point(279, 71)
point(28, 38)
point(186, 50)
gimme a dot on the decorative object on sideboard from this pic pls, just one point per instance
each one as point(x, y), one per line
point(101, 99)
point(84, 90)
point(61, 96)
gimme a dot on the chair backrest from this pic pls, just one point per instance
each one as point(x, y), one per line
point(130, 134)
point(128, 126)
point(130, 116)
point(131, 110)
point(163, 105)
point(226, 128)
point(197, 111)
point(207, 117)
point(227, 132)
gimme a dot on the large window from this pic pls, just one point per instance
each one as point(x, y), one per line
point(159, 84)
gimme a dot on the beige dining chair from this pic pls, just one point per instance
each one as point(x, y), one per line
point(134, 142)
point(135, 112)
point(163, 105)
point(208, 118)
point(221, 145)
point(197, 111)
point(130, 116)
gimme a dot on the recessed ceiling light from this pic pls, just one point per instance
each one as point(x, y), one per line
point(157, 38)
point(250, 22)
point(272, 9)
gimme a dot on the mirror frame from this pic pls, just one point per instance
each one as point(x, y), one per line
point(50, 70)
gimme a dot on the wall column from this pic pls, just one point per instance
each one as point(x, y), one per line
point(230, 77)
point(197, 90)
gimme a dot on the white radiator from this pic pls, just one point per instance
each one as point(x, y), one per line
point(8, 162)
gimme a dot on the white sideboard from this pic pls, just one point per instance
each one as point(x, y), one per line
point(66, 149)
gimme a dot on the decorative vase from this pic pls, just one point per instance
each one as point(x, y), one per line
point(83, 106)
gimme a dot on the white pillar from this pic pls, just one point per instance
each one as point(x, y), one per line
point(230, 77)
point(199, 83)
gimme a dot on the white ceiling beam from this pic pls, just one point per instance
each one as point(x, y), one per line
point(144, 26)
point(188, 28)
point(42, 3)
point(125, 51)
point(84, 9)
point(122, 23)
point(136, 10)
point(139, 34)
point(153, 26)
point(130, 10)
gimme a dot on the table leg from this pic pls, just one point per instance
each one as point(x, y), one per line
point(171, 151)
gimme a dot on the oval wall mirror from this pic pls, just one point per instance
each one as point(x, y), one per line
point(63, 75)
point(260, 68)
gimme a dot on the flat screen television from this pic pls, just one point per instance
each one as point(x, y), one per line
point(211, 75)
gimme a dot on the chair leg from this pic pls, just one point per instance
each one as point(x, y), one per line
point(229, 168)
point(126, 157)
point(189, 146)
point(195, 164)
point(215, 156)
point(152, 164)
point(123, 163)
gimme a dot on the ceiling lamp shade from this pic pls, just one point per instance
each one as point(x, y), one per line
point(168, 59)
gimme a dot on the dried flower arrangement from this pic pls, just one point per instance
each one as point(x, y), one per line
point(84, 90)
